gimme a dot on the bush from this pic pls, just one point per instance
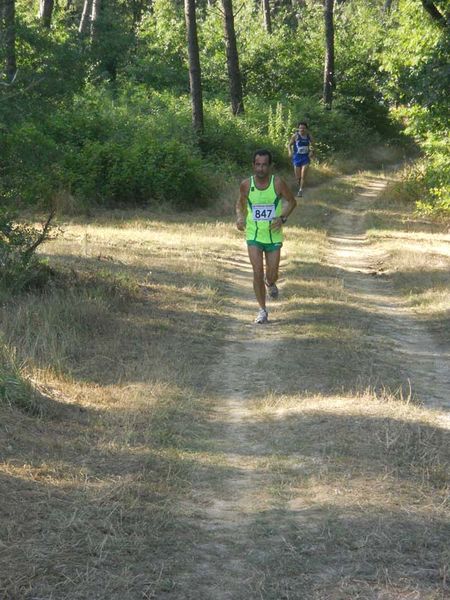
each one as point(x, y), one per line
point(20, 268)
point(139, 162)
point(31, 158)
point(427, 182)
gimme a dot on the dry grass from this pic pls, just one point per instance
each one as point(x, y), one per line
point(416, 257)
point(378, 468)
point(339, 484)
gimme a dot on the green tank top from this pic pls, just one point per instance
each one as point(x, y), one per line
point(262, 207)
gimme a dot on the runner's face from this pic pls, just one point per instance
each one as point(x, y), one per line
point(302, 129)
point(261, 167)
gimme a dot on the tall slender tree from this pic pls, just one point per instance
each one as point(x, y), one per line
point(8, 37)
point(85, 17)
point(434, 12)
point(267, 16)
point(90, 17)
point(95, 15)
point(46, 12)
point(328, 75)
point(195, 80)
point(234, 74)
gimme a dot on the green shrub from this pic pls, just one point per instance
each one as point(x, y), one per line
point(427, 181)
point(20, 268)
point(31, 158)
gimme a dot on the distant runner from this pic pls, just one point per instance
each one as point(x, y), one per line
point(260, 213)
point(300, 150)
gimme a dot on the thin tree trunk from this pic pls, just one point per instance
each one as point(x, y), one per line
point(234, 74)
point(8, 33)
point(267, 16)
point(387, 6)
point(85, 17)
point(46, 12)
point(95, 14)
point(195, 80)
point(434, 13)
point(328, 76)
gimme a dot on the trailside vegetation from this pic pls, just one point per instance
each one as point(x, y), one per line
point(95, 106)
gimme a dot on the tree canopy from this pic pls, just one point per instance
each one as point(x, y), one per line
point(94, 96)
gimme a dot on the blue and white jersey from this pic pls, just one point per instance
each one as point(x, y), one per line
point(301, 145)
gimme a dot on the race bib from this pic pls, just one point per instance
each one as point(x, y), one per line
point(303, 150)
point(263, 212)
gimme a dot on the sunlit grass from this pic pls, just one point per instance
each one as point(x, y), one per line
point(139, 443)
point(418, 264)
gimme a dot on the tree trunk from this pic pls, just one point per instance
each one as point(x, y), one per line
point(195, 81)
point(434, 13)
point(46, 12)
point(234, 74)
point(95, 14)
point(328, 76)
point(85, 17)
point(267, 17)
point(387, 6)
point(8, 35)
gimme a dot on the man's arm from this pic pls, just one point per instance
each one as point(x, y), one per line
point(311, 147)
point(241, 205)
point(282, 190)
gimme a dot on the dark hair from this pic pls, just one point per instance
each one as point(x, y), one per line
point(302, 123)
point(262, 152)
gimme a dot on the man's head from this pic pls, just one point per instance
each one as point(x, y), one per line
point(262, 161)
point(302, 126)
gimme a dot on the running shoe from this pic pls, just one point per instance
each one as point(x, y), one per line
point(262, 316)
point(299, 193)
point(272, 290)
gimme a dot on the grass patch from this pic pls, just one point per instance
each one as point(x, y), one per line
point(15, 390)
point(378, 468)
point(416, 258)
point(192, 452)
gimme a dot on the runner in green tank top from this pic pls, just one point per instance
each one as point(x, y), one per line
point(260, 213)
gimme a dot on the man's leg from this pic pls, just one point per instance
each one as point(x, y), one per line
point(298, 177)
point(304, 170)
point(256, 258)
point(272, 265)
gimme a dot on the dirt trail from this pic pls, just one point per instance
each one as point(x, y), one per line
point(427, 365)
point(220, 571)
point(228, 561)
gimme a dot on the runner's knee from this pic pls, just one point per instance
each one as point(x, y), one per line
point(258, 273)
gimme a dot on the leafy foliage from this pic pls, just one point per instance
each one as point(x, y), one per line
point(416, 60)
point(106, 119)
point(20, 268)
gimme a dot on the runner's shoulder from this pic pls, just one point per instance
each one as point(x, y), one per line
point(281, 187)
point(245, 185)
point(278, 182)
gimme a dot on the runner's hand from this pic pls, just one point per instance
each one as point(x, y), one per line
point(276, 224)
point(240, 223)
